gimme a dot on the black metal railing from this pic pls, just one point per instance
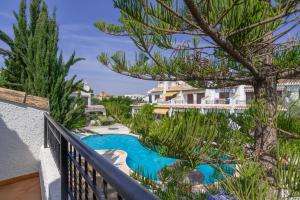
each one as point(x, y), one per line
point(86, 174)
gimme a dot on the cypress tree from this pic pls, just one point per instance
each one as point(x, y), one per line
point(41, 55)
point(32, 64)
point(15, 70)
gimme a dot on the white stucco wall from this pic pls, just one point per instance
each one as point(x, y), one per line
point(211, 95)
point(21, 137)
point(239, 97)
point(49, 176)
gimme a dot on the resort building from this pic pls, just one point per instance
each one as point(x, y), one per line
point(138, 97)
point(87, 93)
point(103, 95)
point(177, 96)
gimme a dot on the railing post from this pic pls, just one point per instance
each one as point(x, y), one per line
point(64, 167)
point(45, 131)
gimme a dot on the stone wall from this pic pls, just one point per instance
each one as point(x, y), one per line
point(21, 137)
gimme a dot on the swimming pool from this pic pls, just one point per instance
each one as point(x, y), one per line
point(139, 157)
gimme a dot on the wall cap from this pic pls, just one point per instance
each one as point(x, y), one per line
point(23, 98)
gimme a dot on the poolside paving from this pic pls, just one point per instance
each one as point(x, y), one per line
point(112, 129)
point(28, 189)
point(117, 158)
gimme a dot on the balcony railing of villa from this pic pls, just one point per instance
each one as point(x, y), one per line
point(178, 101)
point(172, 101)
point(162, 101)
point(84, 173)
point(218, 101)
point(240, 102)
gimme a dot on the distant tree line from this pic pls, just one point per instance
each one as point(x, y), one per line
point(118, 107)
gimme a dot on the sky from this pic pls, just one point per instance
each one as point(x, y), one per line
point(77, 33)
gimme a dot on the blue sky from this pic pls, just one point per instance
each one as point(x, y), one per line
point(77, 33)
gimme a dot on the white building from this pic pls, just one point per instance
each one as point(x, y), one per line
point(138, 97)
point(175, 96)
point(88, 94)
point(103, 95)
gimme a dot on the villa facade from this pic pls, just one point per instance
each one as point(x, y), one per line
point(178, 95)
point(87, 94)
point(138, 97)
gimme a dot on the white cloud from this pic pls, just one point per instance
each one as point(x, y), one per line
point(88, 43)
point(89, 34)
point(94, 39)
point(6, 15)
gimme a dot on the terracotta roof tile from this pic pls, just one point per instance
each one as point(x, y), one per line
point(289, 81)
point(157, 89)
point(21, 97)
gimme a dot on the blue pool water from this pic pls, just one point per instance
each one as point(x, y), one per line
point(139, 157)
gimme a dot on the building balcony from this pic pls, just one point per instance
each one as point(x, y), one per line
point(241, 102)
point(203, 102)
point(43, 160)
point(84, 173)
point(162, 101)
point(218, 101)
point(171, 102)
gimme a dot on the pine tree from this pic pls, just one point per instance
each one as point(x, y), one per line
point(213, 44)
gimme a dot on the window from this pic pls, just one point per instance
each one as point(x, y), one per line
point(190, 99)
point(86, 100)
point(199, 97)
point(224, 95)
point(249, 97)
point(156, 96)
point(169, 98)
point(279, 93)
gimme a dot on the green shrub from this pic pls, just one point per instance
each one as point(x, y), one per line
point(104, 120)
point(143, 120)
point(118, 108)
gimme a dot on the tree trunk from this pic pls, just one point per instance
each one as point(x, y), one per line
point(265, 134)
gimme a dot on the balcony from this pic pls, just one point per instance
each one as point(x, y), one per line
point(84, 173)
point(28, 188)
point(240, 102)
point(218, 101)
point(162, 101)
point(43, 160)
point(171, 101)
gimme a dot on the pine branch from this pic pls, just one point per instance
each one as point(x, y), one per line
point(289, 134)
point(178, 16)
point(235, 2)
point(220, 40)
point(289, 73)
point(187, 48)
point(272, 19)
point(169, 77)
